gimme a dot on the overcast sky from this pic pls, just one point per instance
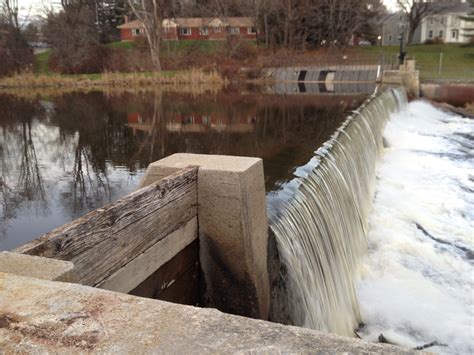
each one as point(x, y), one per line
point(35, 7)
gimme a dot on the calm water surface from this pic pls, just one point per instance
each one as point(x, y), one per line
point(63, 155)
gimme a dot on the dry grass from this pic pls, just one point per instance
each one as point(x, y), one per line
point(194, 78)
point(33, 93)
point(470, 107)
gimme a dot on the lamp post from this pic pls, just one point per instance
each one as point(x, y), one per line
point(401, 55)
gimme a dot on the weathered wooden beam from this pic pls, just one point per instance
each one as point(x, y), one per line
point(139, 269)
point(104, 240)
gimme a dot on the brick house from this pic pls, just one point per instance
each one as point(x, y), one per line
point(195, 28)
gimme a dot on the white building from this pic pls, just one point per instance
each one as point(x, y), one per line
point(446, 25)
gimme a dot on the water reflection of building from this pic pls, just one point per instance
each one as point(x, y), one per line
point(197, 123)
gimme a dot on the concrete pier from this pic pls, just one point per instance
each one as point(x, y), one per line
point(232, 229)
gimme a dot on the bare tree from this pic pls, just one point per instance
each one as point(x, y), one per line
point(10, 12)
point(301, 23)
point(150, 13)
point(417, 10)
point(74, 38)
point(15, 53)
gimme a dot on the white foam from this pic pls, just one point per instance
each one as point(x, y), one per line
point(415, 289)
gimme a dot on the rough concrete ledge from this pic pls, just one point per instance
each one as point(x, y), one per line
point(37, 267)
point(39, 316)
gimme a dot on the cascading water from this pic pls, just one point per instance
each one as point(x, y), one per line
point(321, 229)
point(417, 280)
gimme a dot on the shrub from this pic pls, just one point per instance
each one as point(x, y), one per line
point(15, 54)
point(127, 60)
point(436, 40)
point(75, 43)
point(84, 59)
point(229, 71)
point(239, 49)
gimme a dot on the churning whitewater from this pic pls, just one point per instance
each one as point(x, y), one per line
point(417, 283)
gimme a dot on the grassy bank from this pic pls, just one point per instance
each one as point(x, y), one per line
point(457, 61)
point(188, 77)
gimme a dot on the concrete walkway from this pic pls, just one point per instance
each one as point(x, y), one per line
point(39, 316)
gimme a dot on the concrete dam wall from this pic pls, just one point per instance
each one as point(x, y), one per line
point(324, 80)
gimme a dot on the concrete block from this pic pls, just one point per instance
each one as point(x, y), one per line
point(312, 88)
point(37, 267)
point(232, 229)
point(352, 76)
point(280, 74)
point(372, 75)
point(42, 317)
point(345, 76)
point(338, 76)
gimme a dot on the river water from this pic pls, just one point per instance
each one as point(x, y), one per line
point(417, 285)
point(64, 154)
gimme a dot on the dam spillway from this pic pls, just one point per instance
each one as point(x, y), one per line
point(82, 244)
point(321, 229)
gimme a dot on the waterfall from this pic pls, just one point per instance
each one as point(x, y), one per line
point(321, 227)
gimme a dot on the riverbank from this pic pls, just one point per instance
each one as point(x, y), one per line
point(436, 62)
point(185, 77)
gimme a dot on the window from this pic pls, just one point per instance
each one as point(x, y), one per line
point(166, 29)
point(251, 30)
point(441, 34)
point(217, 29)
point(390, 38)
point(188, 119)
point(430, 20)
point(206, 119)
point(234, 30)
point(204, 31)
point(455, 21)
point(454, 34)
point(185, 31)
point(136, 32)
point(442, 20)
point(430, 34)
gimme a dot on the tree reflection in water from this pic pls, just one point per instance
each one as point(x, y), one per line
point(63, 156)
point(21, 179)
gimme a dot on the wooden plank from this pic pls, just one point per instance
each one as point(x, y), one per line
point(139, 269)
point(177, 281)
point(108, 238)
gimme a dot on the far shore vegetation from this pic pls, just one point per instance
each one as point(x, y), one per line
point(192, 77)
point(85, 48)
point(217, 67)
